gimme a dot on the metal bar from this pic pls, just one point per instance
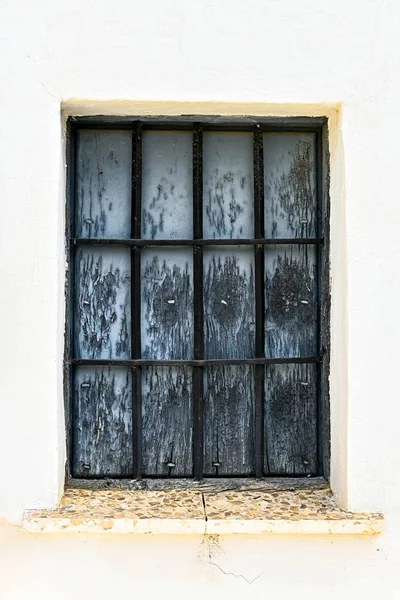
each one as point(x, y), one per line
point(259, 297)
point(244, 123)
point(142, 362)
point(198, 375)
point(198, 242)
point(318, 163)
point(136, 214)
point(325, 300)
point(70, 294)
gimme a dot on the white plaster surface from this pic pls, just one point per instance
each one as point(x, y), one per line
point(335, 57)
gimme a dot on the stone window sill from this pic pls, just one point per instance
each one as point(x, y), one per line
point(190, 511)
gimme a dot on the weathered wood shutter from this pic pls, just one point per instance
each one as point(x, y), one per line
point(196, 303)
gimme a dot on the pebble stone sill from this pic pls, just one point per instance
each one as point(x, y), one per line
point(196, 512)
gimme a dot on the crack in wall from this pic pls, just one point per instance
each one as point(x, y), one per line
point(203, 500)
point(236, 575)
point(213, 549)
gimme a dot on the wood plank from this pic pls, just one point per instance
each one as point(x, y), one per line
point(167, 190)
point(102, 422)
point(229, 421)
point(290, 425)
point(206, 485)
point(103, 184)
point(229, 305)
point(167, 304)
point(290, 185)
point(228, 205)
point(167, 421)
point(102, 311)
point(291, 301)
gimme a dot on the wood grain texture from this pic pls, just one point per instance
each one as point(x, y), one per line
point(291, 301)
point(228, 210)
point(167, 188)
point(103, 184)
point(290, 185)
point(206, 485)
point(102, 425)
point(167, 421)
point(229, 421)
point(291, 420)
point(167, 304)
point(229, 305)
point(102, 315)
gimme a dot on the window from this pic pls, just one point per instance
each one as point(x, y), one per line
point(198, 309)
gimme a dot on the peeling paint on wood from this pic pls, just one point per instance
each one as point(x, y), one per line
point(102, 315)
point(229, 306)
point(291, 420)
point(167, 304)
point(229, 421)
point(102, 303)
point(206, 485)
point(167, 421)
point(290, 185)
point(167, 189)
point(291, 301)
point(228, 210)
point(102, 427)
point(103, 184)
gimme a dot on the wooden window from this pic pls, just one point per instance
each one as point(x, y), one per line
point(198, 310)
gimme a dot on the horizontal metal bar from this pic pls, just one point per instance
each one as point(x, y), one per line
point(195, 363)
point(233, 123)
point(205, 242)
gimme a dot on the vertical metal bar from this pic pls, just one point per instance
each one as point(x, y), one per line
point(319, 251)
point(198, 373)
point(70, 292)
point(325, 300)
point(136, 214)
point(260, 296)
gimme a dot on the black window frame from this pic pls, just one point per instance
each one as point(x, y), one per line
point(200, 124)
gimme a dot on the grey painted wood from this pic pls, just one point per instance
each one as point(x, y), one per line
point(222, 484)
point(229, 421)
point(228, 204)
point(167, 421)
point(290, 442)
point(291, 301)
point(167, 185)
point(290, 201)
point(102, 318)
point(103, 184)
point(229, 305)
point(167, 303)
point(102, 426)
point(290, 185)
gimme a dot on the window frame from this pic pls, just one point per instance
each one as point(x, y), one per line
point(199, 124)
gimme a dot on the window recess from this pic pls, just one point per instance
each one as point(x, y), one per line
point(198, 308)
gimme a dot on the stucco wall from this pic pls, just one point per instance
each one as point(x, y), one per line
point(335, 57)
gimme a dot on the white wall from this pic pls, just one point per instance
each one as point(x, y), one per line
point(334, 57)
